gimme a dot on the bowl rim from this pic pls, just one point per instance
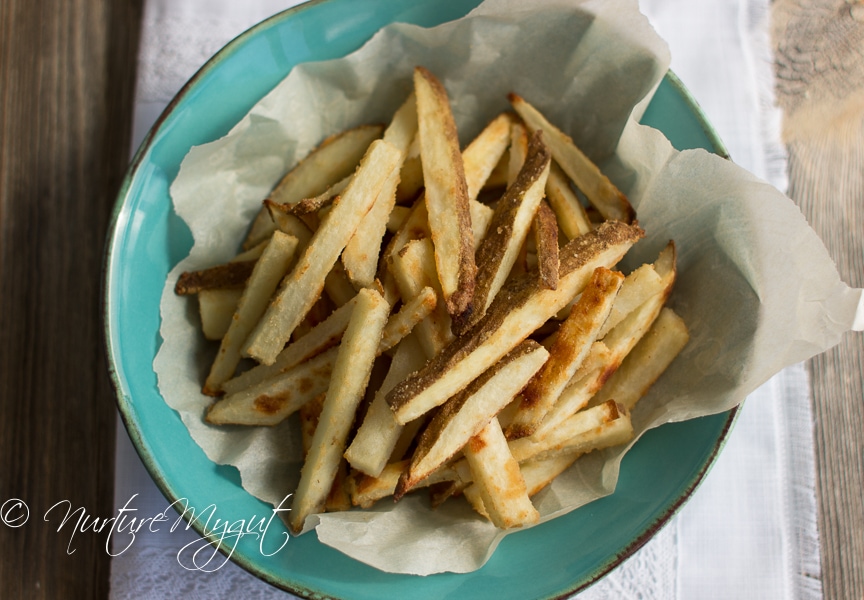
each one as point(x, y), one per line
point(128, 414)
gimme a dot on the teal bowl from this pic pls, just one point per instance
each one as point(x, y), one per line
point(147, 239)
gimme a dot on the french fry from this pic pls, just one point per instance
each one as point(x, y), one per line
point(446, 192)
point(272, 401)
point(570, 213)
point(268, 272)
point(360, 256)
point(347, 385)
point(591, 429)
point(367, 490)
point(397, 218)
point(466, 413)
point(507, 232)
point(329, 332)
point(334, 159)
point(224, 276)
point(646, 361)
point(484, 152)
point(377, 436)
point(601, 192)
point(539, 473)
point(569, 351)
point(216, 309)
point(414, 268)
point(308, 206)
point(498, 479)
point(619, 341)
point(518, 310)
point(301, 288)
point(518, 151)
point(546, 241)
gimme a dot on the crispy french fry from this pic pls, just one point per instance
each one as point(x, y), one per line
point(466, 413)
point(571, 215)
point(348, 383)
point(216, 308)
point(360, 256)
point(484, 152)
point(224, 276)
point(318, 339)
point(414, 268)
point(569, 351)
point(518, 310)
point(518, 151)
point(646, 362)
point(446, 192)
point(507, 232)
point(268, 272)
point(272, 401)
point(601, 192)
point(301, 288)
point(334, 159)
point(591, 429)
point(546, 241)
point(498, 479)
point(619, 341)
point(366, 490)
point(373, 444)
point(538, 473)
point(308, 206)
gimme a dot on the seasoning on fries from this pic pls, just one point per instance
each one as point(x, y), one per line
point(508, 345)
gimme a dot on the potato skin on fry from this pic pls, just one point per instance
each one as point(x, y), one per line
point(607, 243)
point(446, 192)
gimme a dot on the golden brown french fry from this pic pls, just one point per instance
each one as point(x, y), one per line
point(224, 276)
point(507, 232)
point(347, 386)
point(569, 211)
point(360, 256)
point(518, 310)
point(413, 268)
point(569, 351)
point(619, 341)
point(498, 479)
point(518, 151)
point(546, 241)
point(272, 401)
point(646, 361)
point(334, 159)
point(268, 272)
point(366, 490)
point(216, 308)
point(306, 281)
point(638, 287)
point(484, 152)
point(601, 192)
point(538, 473)
point(466, 413)
point(377, 436)
point(308, 206)
point(446, 192)
point(591, 429)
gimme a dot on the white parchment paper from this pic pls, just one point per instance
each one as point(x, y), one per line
point(756, 285)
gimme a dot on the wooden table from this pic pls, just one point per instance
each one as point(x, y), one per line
point(67, 74)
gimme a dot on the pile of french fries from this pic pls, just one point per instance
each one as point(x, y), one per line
point(438, 317)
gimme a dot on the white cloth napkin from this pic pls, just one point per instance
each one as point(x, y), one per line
point(750, 529)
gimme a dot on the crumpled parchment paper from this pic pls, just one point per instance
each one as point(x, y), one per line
point(756, 286)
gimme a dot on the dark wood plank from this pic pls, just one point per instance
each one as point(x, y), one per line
point(820, 65)
point(67, 73)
